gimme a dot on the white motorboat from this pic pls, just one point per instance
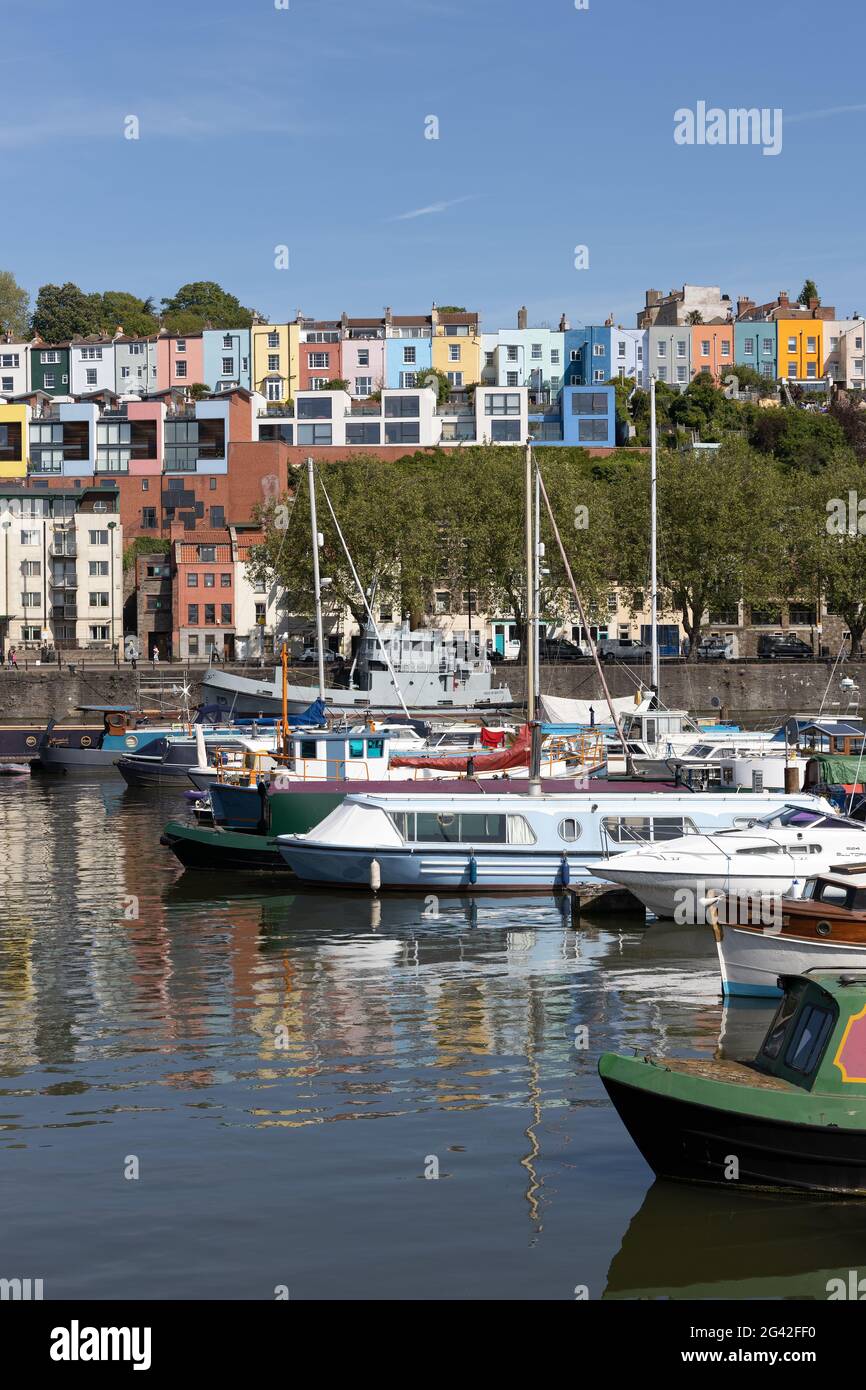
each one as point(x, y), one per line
point(773, 855)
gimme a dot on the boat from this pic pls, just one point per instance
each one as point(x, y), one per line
point(773, 854)
point(824, 929)
point(494, 839)
point(124, 730)
point(793, 1119)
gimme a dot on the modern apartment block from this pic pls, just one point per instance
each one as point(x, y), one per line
point(62, 566)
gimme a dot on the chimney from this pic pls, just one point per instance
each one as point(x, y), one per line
point(783, 299)
point(434, 316)
point(522, 317)
point(653, 297)
point(813, 304)
point(388, 314)
point(564, 324)
point(744, 304)
point(608, 323)
point(344, 321)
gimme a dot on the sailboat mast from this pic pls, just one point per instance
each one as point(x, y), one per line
point(536, 582)
point(654, 614)
point(529, 628)
point(317, 587)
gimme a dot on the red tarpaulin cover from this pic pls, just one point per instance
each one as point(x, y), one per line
point(493, 738)
point(515, 756)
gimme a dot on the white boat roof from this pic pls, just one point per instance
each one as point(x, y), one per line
point(648, 803)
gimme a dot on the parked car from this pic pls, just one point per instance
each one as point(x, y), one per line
point(559, 649)
point(623, 649)
point(310, 654)
point(716, 649)
point(779, 646)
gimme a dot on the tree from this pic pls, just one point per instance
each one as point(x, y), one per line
point(198, 389)
point(337, 383)
point(802, 440)
point(829, 544)
point(809, 291)
point(63, 312)
point(14, 306)
point(118, 309)
point(431, 376)
point(204, 304)
point(850, 415)
point(695, 317)
point(451, 308)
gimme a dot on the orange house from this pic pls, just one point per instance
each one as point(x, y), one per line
point(712, 349)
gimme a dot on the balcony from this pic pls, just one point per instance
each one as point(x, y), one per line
point(68, 613)
point(65, 582)
point(363, 408)
point(64, 549)
point(276, 410)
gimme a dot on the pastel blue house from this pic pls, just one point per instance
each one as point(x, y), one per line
point(226, 358)
point(585, 417)
point(406, 359)
point(755, 346)
point(588, 360)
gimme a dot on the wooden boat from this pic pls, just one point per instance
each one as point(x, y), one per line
point(792, 1119)
point(824, 929)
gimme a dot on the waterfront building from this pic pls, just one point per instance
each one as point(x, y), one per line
point(62, 566)
point(136, 365)
point(408, 348)
point(588, 355)
point(91, 364)
point(755, 346)
point(800, 349)
point(49, 368)
point(14, 365)
point(14, 439)
point(677, 308)
point(319, 353)
point(628, 353)
point(456, 347)
point(363, 356)
point(843, 352)
point(226, 358)
point(179, 360)
point(712, 348)
point(274, 348)
point(527, 356)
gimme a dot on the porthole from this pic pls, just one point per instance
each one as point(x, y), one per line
point(131, 741)
point(569, 829)
point(85, 741)
point(30, 741)
point(823, 928)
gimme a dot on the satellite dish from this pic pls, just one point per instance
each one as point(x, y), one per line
point(715, 702)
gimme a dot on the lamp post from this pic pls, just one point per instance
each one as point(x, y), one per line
point(112, 527)
point(6, 528)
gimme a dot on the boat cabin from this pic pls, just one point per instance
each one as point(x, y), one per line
point(817, 1039)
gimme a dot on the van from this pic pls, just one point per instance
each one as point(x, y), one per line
point(783, 646)
point(623, 649)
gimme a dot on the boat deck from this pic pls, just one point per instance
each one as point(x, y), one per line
point(738, 1073)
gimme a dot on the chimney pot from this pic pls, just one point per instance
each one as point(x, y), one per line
point(522, 317)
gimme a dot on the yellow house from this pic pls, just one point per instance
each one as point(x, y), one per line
point(800, 349)
point(275, 360)
point(457, 347)
point(14, 424)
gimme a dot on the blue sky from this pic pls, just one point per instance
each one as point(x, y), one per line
point(305, 127)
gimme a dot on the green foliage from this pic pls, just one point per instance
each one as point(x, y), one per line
point(828, 555)
point(144, 545)
point(199, 389)
point(801, 440)
point(451, 308)
point(14, 306)
point(336, 383)
point(431, 376)
point(204, 304)
point(809, 291)
point(117, 309)
point(64, 311)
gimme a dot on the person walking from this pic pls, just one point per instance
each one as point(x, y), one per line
point(156, 656)
point(13, 657)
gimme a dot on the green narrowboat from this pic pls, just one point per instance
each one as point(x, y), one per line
point(793, 1119)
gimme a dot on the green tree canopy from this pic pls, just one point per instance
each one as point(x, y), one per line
point(809, 291)
point(135, 316)
point(204, 304)
point(64, 311)
point(14, 306)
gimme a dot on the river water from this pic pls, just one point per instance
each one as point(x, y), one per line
point(221, 1088)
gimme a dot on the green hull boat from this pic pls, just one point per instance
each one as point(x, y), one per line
point(793, 1119)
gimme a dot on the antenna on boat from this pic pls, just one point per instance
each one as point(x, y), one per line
point(654, 597)
point(629, 762)
point(317, 583)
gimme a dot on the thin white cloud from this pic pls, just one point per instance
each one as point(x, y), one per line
point(829, 111)
point(430, 208)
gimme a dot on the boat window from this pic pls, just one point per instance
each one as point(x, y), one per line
point(404, 824)
point(308, 748)
point(356, 748)
point(628, 829)
point(810, 1035)
point(814, 849)
point(569, 829)
point(835, 894)
point(772, 1044)
point(672, 827)
point(650, 731)
point(477, 826)
point(375, 747)
point(520, 831)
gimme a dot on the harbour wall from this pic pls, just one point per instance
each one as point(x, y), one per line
point(742, 688)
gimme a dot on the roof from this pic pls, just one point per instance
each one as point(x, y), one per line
point(834, 728)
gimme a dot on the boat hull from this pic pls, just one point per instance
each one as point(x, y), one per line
point(660, 894)
point(204, 847)
point(432, 692)
point(428, 871)
point(682, 1139)
point(751, 960)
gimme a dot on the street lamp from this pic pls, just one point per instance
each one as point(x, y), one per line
point(6, 528)
point(112, 527)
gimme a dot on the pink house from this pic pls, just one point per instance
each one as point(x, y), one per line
point(179, 361)
point(151, 432)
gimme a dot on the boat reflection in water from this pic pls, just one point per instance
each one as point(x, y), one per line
point(692, 1243)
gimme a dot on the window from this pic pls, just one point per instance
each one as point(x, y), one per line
point(7, 383)
point(273, 362)
point(30, 633)
point(402, 406)
point(363, 432)
point(767, 346)
point(408, 379)
point(192, 579)
point(589, 403)
point(811, 344)
point(505, 431)
point(98, 537)
point(682, 373)
point(620, 349)
point(228, 366)
point(90, 376)
point(217, 518)
point(681, 348)
point(209, 580)
point(192, 644)
point(809, 1038)
point(598, 374)
point(402, 432)
point(91, 354)
point(453, 352)
point(569, 829)
point(30, 537)
point(97, 568)
point(662, 350)
point(9, 359)
point(124, 372)
point(363, 385)
point(192, 612)
point(726, 349)
point(792, 370)
point(210, 613)
point(512, 379)
point(499, 403)
point(49, 357)
point(225, 579)
point(225, 612)
point(30, 599)
point(314, 408)
point(227, 340)
point(32, 568)
point(409, 357)
point(180, 345)
point(273, 340)
point(811, 369)
point(314, 434)
point(207, 553)
point(455, 378)
point(98, 598)
point(48, 381)
point(592, 431)
point(536, 352)
point(98, 632)
point(363, 357)
point(748, 347)
point(180, 369)
point(212, 485)
point(511, 354)
point(598, 350)
point(792, 344)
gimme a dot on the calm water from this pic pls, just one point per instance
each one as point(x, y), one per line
point(282, 1067)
